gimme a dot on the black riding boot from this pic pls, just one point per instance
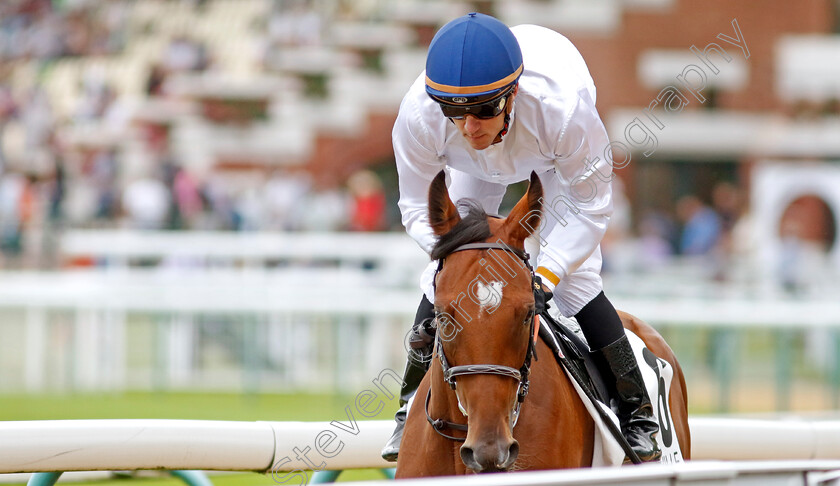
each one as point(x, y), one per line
point(421, 342)
point(604, 332)
point(635, 412)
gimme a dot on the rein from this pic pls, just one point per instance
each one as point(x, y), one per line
point(450, 373)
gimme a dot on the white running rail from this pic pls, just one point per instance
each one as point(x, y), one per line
point(346, 443)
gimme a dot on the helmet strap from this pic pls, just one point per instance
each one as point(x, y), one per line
point(504, 130)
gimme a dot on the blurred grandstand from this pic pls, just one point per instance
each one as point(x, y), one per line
point(234, 115)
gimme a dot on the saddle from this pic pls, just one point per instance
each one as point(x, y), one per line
point(573, 353)
point(589, 370)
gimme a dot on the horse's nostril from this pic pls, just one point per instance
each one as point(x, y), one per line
point(513, 453)
point(468, 456)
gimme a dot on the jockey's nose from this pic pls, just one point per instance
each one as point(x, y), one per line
point(472, 124)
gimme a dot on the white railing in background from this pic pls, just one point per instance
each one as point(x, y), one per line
point(391, 252)
point(284, 311)
point(276, 447)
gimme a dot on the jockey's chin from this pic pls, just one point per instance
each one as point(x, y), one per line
point(479, 133)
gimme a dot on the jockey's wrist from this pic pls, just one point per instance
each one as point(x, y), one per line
point(549, 278)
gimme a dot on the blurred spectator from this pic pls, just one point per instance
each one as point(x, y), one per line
point(250, 209)
point(46, 34)
point(45, 30)
point(220, 210)
point(37, 117)
point(186, 198)
point(184, 54)
point(146, 203)
point(96, 96)
point(368, 202)
point(656, 236)
point(324, 210)
point(701, 226)
point(726, 201)
point(156, 80)
point(8, 109)
point(789, 266)
point(293, 23)
point(103, 175)
point(283, 193)
point(57, 189)
point(16, 204)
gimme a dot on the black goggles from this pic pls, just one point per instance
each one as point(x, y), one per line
point(484, 111)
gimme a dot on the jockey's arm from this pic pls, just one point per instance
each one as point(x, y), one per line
point(578, 196)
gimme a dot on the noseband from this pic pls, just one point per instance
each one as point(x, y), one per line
point(450, 373)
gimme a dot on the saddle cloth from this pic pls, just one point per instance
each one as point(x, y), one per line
point(564, 337)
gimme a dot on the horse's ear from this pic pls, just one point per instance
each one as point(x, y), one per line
point(443, 215)
point(524, 218)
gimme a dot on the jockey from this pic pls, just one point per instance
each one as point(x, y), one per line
point(493, 105)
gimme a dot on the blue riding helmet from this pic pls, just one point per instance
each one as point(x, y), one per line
point(472, 60)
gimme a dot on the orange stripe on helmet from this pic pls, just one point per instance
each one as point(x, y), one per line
point(468, 90)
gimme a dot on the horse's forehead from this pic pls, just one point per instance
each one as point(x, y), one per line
point(483, 277)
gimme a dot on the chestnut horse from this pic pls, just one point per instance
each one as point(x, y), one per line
point(483, 363)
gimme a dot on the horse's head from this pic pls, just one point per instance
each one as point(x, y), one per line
point(484, 303)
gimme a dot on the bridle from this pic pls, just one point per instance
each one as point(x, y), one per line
point(450, 373)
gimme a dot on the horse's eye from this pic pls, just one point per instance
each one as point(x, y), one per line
point(530, 317)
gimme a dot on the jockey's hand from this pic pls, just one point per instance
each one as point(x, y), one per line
point(422, 336)
point(542, 296)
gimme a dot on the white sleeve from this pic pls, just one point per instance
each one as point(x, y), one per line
point(578, 200)
point(417, 164)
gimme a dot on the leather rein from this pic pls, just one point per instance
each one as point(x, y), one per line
point(450, 373)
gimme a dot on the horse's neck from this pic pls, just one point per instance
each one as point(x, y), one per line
point(553, 409)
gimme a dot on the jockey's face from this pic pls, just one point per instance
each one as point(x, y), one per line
point(482, 133)
point(479, 133)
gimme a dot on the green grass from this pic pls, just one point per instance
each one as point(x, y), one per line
point(194, 406)
point(197, 406)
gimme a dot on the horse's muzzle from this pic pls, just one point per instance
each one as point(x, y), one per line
point(492, 457)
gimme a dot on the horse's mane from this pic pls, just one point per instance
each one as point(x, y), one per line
point(471, 229)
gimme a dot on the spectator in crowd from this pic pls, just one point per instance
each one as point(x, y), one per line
point(37, 117)
point(726, 201)
point(701, 226)
point(656, 236)
point(156, 79)
point(294, 23)
point(146, 203)
point(283, 193)
point(326, 210)
point(103, 175)
point(8, 109)
point(219, 204)
point(97, 96)
point(184, 55)
point(368, 199)
point(186, 198)
point(16, 202)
